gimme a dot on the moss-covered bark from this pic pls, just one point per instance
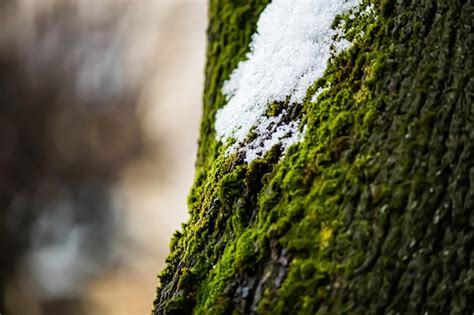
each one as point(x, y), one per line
point(372, 212)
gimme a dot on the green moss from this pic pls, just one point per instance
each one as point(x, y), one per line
point(178, 305)
point(234, 239)
point(324, 230)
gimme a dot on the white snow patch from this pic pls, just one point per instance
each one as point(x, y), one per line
point(318, 92)
point(271, 131)
point(288, 53)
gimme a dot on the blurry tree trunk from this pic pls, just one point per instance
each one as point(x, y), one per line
point(373, 212)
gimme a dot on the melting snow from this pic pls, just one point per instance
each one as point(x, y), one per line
point(288, 53)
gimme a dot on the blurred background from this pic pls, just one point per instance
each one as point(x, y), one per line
point(100, 104)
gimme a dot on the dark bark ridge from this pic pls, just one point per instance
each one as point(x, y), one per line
point(372, 212)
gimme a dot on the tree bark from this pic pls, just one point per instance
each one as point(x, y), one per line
point(371, 213)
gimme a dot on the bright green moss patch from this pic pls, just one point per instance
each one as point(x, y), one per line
point(233, 223)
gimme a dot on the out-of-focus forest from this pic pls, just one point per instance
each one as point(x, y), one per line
point(100, 106)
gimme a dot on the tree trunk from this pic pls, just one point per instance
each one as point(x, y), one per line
point(371, 211)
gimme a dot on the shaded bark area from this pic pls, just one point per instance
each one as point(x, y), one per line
point(417, 253)
point(381, 222)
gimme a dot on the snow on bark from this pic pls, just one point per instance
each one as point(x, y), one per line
point(289, 51)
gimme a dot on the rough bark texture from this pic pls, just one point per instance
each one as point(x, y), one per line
point(372, 212)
